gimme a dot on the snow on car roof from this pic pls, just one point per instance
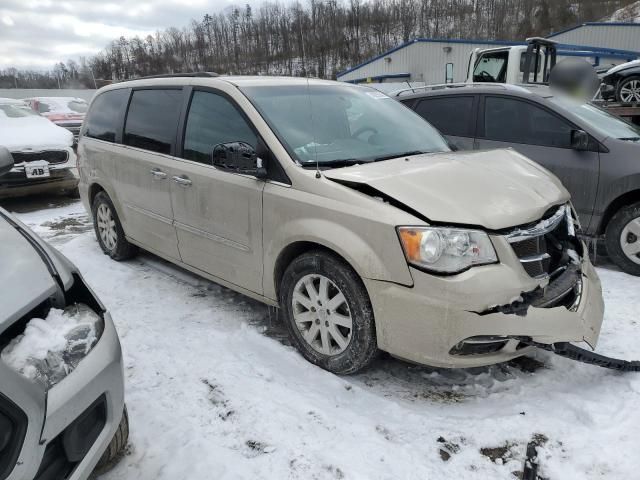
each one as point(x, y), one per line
point(10, 101)
point(58, 104)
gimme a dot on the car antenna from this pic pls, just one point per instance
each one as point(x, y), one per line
point(315, 147)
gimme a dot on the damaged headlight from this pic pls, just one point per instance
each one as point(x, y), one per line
point(51, 348)
point(446, 250)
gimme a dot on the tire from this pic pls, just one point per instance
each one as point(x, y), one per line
point(113, 243)
point(116, 448)
point(628, 89)
point(74, 193)
point(331, 345)
point(623, 237)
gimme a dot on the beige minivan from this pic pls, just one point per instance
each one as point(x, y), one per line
point(346, 210)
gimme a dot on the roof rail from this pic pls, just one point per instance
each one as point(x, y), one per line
point(441, 86)
point(175, 75)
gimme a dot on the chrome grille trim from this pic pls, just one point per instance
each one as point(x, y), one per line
point(541, 228)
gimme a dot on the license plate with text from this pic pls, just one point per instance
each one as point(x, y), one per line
point(36, 171)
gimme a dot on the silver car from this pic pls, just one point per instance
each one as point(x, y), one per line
point(61, 377)
point(345, 209)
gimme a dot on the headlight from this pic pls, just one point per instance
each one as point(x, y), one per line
point(51, 348)
point(446, 250)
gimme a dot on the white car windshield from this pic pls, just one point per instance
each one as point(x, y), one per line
point(603, 121)
point(14, 110)
point(342, 124)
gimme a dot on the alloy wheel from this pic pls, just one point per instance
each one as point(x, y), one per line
point(107, 227)
point(321, 314)
point(630, 240)
point(630, 91)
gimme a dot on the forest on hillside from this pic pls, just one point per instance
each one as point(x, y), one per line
point(318, 38)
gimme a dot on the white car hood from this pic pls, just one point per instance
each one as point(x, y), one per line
point(32, 133)
point(495, 189)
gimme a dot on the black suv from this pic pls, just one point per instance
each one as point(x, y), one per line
point(594, 153)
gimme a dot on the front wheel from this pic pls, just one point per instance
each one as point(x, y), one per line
point(328, 313)
point(628, 90)
point(116, 448)
point(623, 239)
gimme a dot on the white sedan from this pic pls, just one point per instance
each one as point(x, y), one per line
point(43, 153)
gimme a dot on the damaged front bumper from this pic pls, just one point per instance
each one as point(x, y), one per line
point(477, 318)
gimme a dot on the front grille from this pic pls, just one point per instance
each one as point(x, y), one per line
point(543, 248)
point(13, 428)
point(52, 156)
point(533, 255)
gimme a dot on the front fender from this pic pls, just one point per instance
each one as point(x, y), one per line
point(376, 255)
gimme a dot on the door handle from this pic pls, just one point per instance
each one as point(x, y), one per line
point(157, 173)
point(182, 180)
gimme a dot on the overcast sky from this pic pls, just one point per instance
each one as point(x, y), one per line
point(38, 33)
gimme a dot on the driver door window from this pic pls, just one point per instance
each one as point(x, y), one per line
point(213, 120)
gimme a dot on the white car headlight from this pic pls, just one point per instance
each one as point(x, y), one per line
point(446, 250)
point(51, 348)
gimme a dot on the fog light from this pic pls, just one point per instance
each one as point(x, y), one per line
point(51, 348)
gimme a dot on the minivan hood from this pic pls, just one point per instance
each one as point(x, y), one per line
point(494, 189)
point(24, 278)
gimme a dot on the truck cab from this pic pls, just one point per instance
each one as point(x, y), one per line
point(515, 64)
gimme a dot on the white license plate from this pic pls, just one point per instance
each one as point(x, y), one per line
point(36, 171)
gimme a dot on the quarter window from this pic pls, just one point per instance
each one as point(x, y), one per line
point(451, 115)
point(103, 120)
point(213, 120)
point(515, 121)
point(152, 120)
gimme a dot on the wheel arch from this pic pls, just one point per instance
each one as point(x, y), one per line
point(293, 251)
point(623, 200)
point(93, 190)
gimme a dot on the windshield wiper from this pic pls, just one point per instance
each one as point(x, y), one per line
point(341, 162)
point(397, 155)
point(630, 139)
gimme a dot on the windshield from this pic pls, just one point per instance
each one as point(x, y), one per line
point(342, 123)
point(12, 110)
point(606, 123)
point(78, 106)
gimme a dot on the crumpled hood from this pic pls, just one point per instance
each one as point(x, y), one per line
point(24, 277)
point(494, 189)
point(33, 133)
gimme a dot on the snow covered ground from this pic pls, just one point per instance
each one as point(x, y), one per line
point(215, 392)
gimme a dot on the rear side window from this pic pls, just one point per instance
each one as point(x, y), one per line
point(451, 115)
point(213, 120)
point(515, 121)
point(152, 119)
point(103, 120)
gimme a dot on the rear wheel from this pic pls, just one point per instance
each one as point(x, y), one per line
point(109, 229)
point(623, 239)
point(628, 90)
point(328, 313)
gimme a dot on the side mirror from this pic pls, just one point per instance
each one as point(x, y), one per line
point(452, 146)
point(579, 140)
point(238, 157)
point(6, 161)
